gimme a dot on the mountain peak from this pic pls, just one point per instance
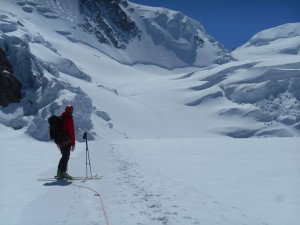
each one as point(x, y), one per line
point(283, 39)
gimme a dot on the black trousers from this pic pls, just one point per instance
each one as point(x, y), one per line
point(65, 156)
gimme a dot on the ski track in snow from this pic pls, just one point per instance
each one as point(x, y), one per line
point(162, 203)
point(150, 200)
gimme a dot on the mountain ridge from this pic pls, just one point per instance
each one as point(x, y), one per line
point(127, 27)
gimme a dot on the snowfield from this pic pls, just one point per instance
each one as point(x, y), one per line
point(153, 181)
point(216, 145)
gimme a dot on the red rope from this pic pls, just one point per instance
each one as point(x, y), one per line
point(97, 194)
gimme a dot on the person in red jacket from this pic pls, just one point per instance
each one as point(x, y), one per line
point(69, 143)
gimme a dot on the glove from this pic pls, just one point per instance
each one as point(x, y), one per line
point(72, 148)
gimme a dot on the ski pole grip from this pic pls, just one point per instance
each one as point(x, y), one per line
point(84, 136)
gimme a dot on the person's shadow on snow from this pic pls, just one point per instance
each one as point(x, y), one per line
point(58, 183)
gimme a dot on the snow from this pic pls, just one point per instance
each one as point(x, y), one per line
point(162, 139)
point(153, 181)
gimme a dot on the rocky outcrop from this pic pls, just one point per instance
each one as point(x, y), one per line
point(10, 87)
point(108, 21)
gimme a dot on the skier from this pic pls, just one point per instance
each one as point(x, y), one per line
point(68, 144)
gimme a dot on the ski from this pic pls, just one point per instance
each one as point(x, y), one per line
point(74, 178)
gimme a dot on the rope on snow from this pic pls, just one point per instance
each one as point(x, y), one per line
point(96, 194)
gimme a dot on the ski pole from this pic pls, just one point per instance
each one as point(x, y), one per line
point(87, 156)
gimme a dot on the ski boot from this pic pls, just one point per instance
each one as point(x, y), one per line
point(67, 176)
point(59, 174)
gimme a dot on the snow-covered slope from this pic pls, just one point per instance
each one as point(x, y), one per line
point(261, 85)
point(170, 39)
point(279, 41)
point(125, 31)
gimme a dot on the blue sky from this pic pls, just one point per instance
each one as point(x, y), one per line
point(233, 22)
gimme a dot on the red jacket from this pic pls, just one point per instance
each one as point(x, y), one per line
point(68, 126)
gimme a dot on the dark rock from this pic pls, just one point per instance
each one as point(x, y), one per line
point(10, 87)
point(108, 21)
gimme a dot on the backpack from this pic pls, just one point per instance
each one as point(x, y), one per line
point(55, 129)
